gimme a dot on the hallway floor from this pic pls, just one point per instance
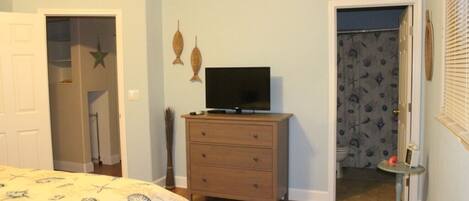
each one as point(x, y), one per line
point(183, 192)
point(110, 170)
point(361, 184)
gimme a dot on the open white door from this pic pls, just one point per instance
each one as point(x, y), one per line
point(25, 135)
point(405, 92)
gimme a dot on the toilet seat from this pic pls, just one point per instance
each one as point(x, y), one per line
point(342, 149)
point(341, 154)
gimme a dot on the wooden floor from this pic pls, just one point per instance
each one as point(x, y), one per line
point(110, 170)
point(360, 184)
point(357, 185)
point(182, 192)
point(116, 171)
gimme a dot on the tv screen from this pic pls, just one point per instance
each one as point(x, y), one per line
point(238, 88)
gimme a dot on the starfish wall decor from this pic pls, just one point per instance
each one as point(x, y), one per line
point(99, 56)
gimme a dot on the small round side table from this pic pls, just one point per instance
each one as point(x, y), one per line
point(401, 170)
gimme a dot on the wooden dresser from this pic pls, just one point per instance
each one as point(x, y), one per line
point(238, 156)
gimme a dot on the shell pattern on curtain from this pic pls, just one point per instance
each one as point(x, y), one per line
point(368, 77)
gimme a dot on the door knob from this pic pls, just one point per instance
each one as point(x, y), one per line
point(396, 111)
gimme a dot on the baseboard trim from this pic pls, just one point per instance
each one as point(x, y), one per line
point(295, 193)
point(111, 160)
point(303, 194)
point(181, 182)
point(160, 182)
point(73, 166)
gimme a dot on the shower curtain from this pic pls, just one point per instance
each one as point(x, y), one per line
point(367, 94)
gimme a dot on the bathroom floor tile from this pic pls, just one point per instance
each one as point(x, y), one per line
point(365, 185)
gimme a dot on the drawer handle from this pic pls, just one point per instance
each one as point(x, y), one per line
point(255, 186)
point(204, 156)
point(204, 134)
point(255, 159)
point(204, 180)
point(255, 136)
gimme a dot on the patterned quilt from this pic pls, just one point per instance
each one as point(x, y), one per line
point(28, 184)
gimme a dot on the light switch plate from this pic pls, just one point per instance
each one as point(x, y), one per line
point(134, 94)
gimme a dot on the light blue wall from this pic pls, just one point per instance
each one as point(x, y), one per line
point(290, 36)
point(446, 160)
point(231, 32)
point(137, 64)
point(294, 44)
point(6, 5)
point(156, 87)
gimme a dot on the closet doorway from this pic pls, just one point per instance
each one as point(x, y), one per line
point(375, 67)
point(83, 91)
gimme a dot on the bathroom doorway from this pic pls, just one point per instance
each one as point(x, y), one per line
point(371, 66)
point(83, 90)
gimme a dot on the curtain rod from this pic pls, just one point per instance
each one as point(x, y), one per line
point(367, 30)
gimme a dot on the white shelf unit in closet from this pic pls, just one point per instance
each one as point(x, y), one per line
point(59, 51)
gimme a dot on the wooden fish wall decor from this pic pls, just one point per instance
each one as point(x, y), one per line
point(429, 47)
point(178, 46)
point(196, 60)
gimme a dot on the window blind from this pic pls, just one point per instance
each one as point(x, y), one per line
point(455, 111)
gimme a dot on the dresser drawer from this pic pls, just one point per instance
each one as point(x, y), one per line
point(232, 182)
point(239, 134)
point(231, 157)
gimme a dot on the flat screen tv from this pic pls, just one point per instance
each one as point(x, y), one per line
point(237, 88)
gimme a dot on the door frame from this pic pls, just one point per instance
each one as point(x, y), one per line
point(416, 182)
point(117, 14)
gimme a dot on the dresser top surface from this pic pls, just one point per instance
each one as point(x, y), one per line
point(271, 117)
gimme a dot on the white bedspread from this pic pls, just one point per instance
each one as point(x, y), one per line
point(27, 184)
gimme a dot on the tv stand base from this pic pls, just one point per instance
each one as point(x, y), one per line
point(216, 111)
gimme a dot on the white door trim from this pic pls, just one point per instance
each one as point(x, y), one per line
point(120, 64)
point(416, 134)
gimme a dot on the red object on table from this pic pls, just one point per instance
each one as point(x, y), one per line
point(392, 160)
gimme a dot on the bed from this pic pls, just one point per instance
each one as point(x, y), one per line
point(30, 184)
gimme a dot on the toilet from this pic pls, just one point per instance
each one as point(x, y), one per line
point(341, 154)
